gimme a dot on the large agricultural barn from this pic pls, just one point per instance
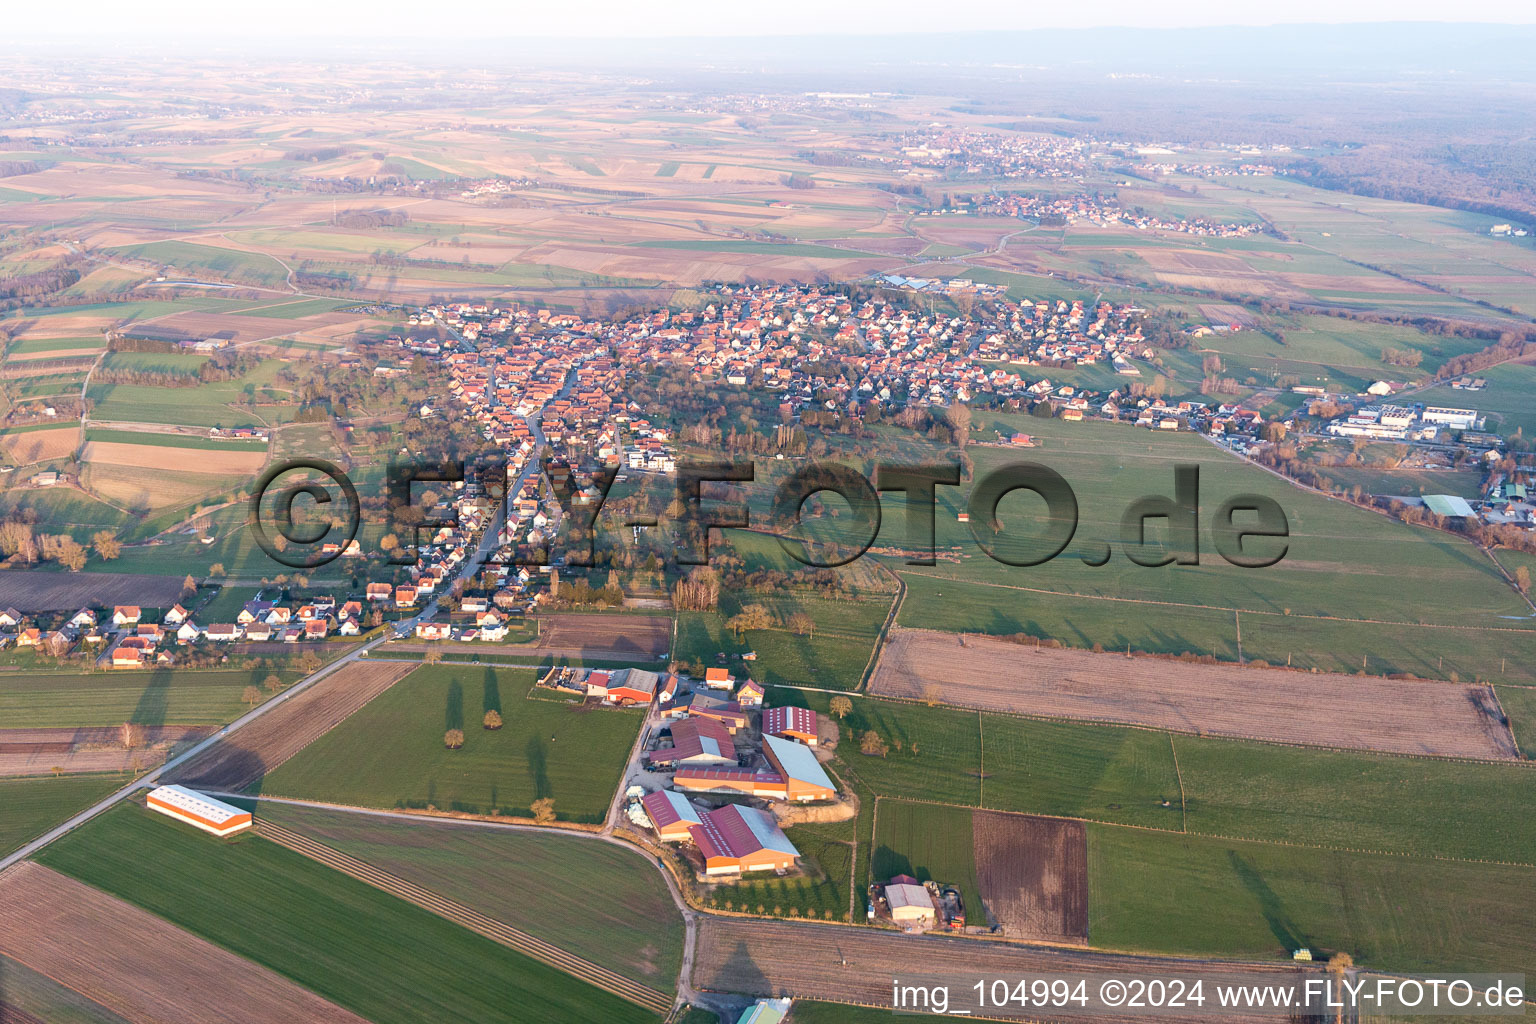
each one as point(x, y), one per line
point(696, 742)
point(671, 815)
point(198, 810)
point(790, 723)
point(804, 777)
point(735, 839)
point(796, 776)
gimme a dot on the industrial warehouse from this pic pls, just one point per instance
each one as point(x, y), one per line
point(198, 810)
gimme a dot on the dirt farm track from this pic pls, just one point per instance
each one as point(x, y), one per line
point(1322, 709)
point(142, 968)
point(840, 964)
point(273, 738)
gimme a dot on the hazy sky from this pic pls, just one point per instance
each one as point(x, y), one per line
point(482, 18)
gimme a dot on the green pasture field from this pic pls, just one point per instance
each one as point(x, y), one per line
point(1340, 560)
point(25, 345)
point(212, 444)
point(1462, 809)
point(294, 310)
point(1407, 482)
point(667, 169)
point(930, 842)
point(50, 385)
point(1235, 788)
point(203, 405)
point(34, 805)
point(1350, 347)
point(1491, 654)
point(759, 248)
point(541, 883)
point(189, 257)
point(32, 428)
point(180, 363)
point(1192, 895)
point(233, 547)
point(824, 659)
point(1506, 401)
point(362, 948)
point(1519, 703)
point(825, 848)
point(61, 508)
point(391, 752)
point(43, 700)
point(283, 241)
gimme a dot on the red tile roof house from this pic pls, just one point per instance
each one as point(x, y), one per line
point(223, 632)
point(125, 615)
point(718, 679)
point(405, 596)
point(379, 592)
point(791, 723)
point(127, 657)
point(750, 694)
point(317, 629)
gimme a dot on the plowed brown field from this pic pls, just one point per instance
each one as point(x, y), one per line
point(639, 636)
point(137, 965)
point(1033, 875)
point(1322, 709)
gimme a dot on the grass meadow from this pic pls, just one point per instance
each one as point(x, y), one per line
point(34, 805)
point(162, 696)
point(391, 752)
point(538, 882)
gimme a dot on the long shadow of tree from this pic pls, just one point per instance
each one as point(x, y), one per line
point(491, 696)
point(1270, 906)
point(453, 711)
point(154, 702)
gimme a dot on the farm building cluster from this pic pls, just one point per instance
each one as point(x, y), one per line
point(715, 764)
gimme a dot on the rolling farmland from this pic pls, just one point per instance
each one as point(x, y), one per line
point(367, 951)
point(539, 882)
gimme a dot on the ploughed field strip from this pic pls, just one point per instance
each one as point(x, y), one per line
point(1033, 875)
point(137, 965)
point(1315, 708)
point(267, 742)
point(87, 749)
point(853, 965)
point(522, 942)
point(639, 636)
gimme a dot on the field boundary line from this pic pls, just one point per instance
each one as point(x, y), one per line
point(1224, 838)
point(873, 664)
point(1208, 607)
point(1178, 774)
point(1230, 737)
point(467, 917)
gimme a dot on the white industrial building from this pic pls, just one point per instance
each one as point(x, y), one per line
point(200, 811)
